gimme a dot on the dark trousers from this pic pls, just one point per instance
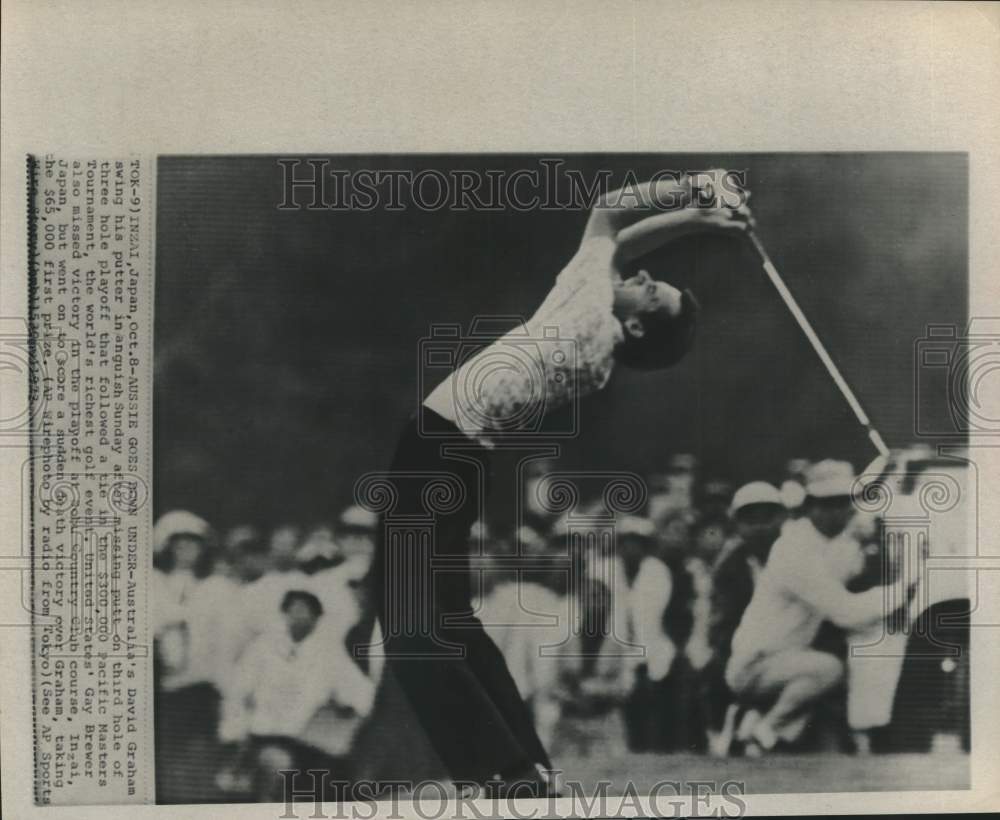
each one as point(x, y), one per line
point(451, 671)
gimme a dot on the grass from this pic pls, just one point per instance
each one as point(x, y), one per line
point(776, 774)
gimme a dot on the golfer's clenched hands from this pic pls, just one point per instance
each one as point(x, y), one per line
point(641, 218)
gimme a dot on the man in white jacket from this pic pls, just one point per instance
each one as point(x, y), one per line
point(282, 684)
point(802, 585)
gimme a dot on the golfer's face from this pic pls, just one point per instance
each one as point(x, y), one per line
point(645, 294)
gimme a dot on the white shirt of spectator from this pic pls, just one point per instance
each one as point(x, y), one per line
point(523, 618)
point(279, 684)
point(648, 598)
point(803, 584)
point(636, 629)
point(698, 651)
point(196, 626)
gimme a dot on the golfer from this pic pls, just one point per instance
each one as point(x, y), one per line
point(596, 315)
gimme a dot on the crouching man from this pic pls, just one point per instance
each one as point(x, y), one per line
point(773, 663)
point(295, 701)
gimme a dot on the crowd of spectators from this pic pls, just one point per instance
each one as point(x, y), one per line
point(716, 625)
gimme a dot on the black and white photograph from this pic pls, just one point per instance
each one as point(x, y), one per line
point(526, 473)
point(459, 410)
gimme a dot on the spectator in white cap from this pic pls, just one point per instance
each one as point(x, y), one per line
point(176, 525)
point(188, 632)
point(194, 619)
point(758, 511)
point(773, 663)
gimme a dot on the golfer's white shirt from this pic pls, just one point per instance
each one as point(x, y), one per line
point(801, 586)
point(565, 350)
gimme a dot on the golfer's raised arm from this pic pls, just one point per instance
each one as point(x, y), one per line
point(641, 218)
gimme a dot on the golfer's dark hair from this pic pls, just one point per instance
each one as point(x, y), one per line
point(308, 598)
point(665, 339)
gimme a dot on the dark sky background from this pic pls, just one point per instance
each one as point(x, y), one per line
point(287, 341)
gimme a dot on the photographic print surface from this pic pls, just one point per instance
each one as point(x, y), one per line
point(514, 410)
point(430, 511)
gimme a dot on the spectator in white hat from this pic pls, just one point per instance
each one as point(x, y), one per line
point(773, 662)
point(194, 618)
point(758, 512)
point(188, 630)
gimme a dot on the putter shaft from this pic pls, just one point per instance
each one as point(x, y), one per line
point(818, 346)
